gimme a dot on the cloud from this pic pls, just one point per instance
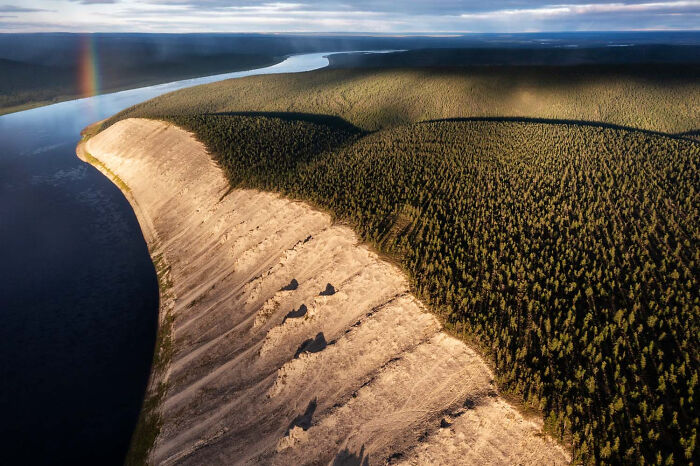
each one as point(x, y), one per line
point(587, 9)
point(417, 7)
point(450, 15)
point(17, 9)
point(375, 16)
point(94, 2)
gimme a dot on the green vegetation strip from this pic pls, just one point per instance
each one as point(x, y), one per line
point(103, 168)
point(150, 419)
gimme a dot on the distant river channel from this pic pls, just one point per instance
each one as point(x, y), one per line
point(78, 291)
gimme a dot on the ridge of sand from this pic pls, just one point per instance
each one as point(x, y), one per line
point(270, 368)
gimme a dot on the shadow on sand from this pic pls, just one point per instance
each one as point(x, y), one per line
point(347, 458)
point(303, 420)
point(295, 314)
point(312, 345)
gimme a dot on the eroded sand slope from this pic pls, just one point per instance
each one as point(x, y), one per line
point(293, 343)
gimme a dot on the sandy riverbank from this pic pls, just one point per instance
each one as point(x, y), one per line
point(291, 342)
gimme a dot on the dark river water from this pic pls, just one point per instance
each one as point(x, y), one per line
point(78, 292)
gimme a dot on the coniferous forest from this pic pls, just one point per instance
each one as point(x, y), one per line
point(568, 253)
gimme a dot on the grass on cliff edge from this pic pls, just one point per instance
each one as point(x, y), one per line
point(150, 420)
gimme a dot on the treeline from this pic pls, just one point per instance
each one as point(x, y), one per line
point(569, 254)
point(267, 150)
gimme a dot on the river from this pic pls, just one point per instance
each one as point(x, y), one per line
point(78, 292)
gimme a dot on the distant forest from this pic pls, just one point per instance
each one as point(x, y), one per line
point(23, 85)
point(567, 250)
point(36, 69)
point(620, 57)
point(662, 99)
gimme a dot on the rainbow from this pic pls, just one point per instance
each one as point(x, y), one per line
point(89, 78)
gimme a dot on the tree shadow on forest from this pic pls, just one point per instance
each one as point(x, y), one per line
point(692, 134)
point(687, 136)
point(329, 121)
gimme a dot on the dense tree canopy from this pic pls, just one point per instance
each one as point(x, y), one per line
point(569, 253)
point(373, 99)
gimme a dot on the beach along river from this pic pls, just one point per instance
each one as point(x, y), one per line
point(78, 291)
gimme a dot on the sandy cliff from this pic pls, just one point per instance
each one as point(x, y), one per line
point(294, 344)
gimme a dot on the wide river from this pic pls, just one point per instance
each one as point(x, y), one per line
point(78, 292)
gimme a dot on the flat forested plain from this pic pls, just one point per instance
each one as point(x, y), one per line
point(567, 251)
point(657, 56)
point(379, 98)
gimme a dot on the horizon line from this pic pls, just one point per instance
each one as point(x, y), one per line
point(364, 33)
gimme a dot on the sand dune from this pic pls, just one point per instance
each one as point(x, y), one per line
point(294, 344)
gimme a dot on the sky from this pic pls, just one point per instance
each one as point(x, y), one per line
point(376, 16)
